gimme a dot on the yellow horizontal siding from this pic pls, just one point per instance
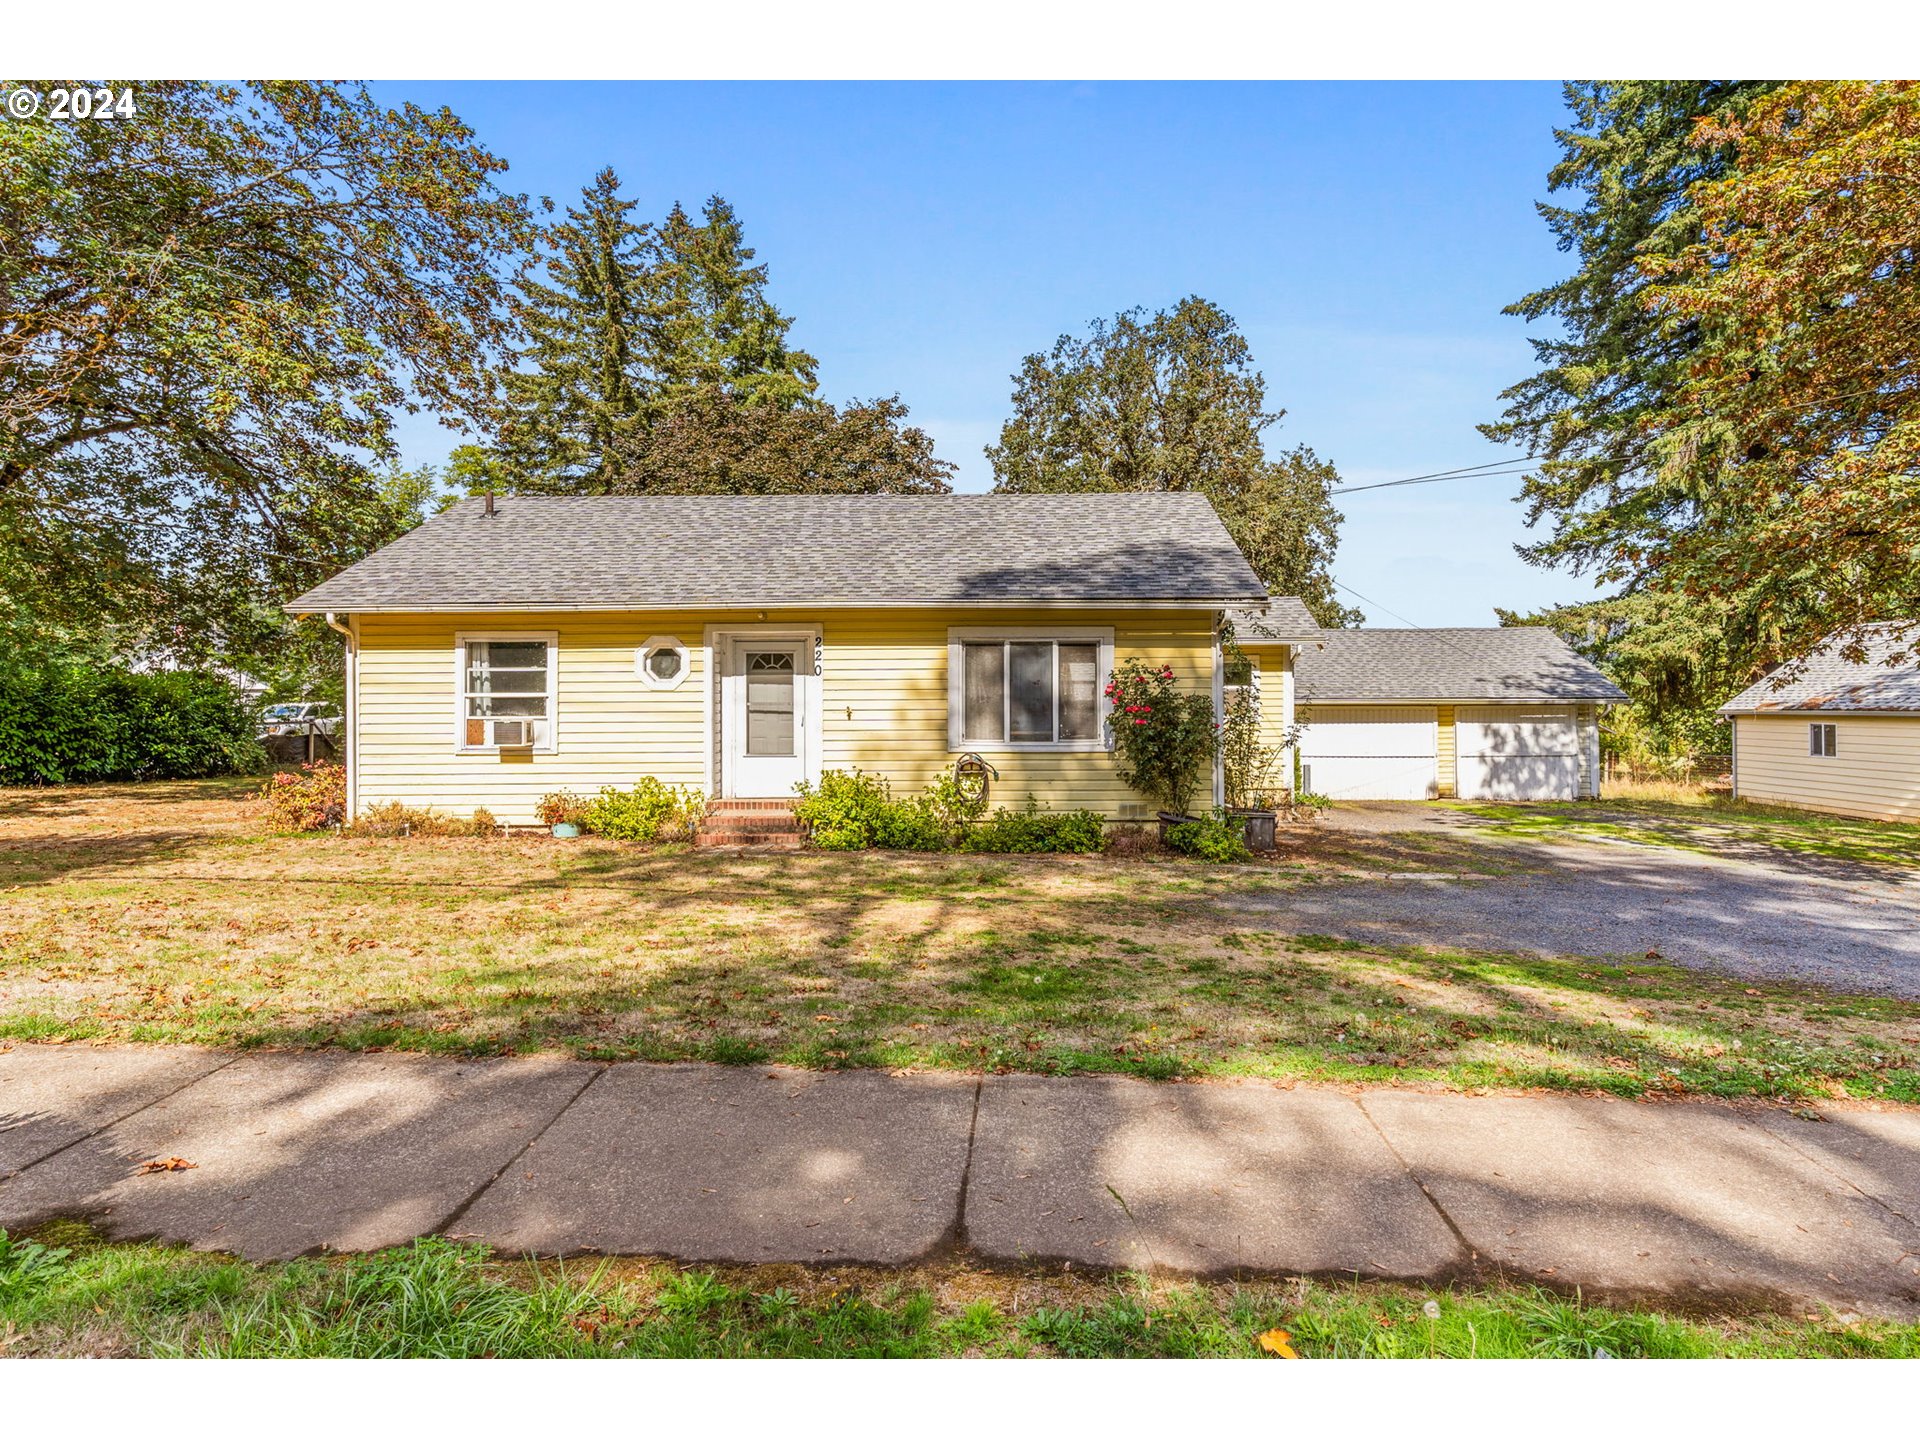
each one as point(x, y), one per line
point(883, 704)
point(1875, 775)
point(1446, 754)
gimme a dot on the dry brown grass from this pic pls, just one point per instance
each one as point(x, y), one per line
point(167, 914)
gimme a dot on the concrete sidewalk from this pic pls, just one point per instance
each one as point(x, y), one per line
point(299, 1153)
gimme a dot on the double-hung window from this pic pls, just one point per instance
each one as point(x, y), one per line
point(506, 691)
point(1820, 740)
point(1029, 689)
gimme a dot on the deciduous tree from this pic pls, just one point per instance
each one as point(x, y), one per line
point(1173, 402)
point(1795, 429)
point(213, 313)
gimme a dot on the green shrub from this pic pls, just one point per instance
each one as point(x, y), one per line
point(652, 810)
point(1217, 837)
point(842, 812)
point(70, 724)
point(1034, 831)
point(313, 799)
point(953, 805)
point(855, 810)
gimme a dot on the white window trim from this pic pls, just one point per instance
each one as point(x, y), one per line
point(1817, 735)
point(959, 636)
point(464, 638)
point(646, 652)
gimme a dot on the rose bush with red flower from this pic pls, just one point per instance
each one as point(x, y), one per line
point(1164, 737)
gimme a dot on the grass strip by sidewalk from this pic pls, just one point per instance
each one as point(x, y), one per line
point(65, 1293)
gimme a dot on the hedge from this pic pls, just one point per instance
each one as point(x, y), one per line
point(63, 725)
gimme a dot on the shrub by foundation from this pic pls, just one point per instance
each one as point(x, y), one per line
point(652, 810)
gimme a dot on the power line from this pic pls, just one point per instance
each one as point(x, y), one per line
point(1424, 629)
point(1478, 474)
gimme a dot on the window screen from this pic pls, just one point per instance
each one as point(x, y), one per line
point(507, 698)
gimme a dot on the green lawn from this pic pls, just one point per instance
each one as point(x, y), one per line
point(64, 1293)
point(166, 914)
point(1711, 825)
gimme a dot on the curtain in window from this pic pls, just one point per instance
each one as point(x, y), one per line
point(1030, 692)
point(986, 717)
point(1079, 692)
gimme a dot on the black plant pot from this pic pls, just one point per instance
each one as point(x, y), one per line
point(1259, 829)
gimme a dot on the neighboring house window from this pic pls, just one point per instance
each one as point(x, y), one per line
point(506, 691)
point(1029, 689)
point(1820, 740)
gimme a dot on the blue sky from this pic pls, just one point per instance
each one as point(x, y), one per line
point(927, 236)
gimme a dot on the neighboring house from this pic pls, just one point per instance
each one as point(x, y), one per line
point(1835, 734)
point(1507, 713)
point(743, 644)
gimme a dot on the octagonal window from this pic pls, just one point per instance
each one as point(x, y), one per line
point(662, 662)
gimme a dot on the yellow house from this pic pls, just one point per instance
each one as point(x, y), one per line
point(743, 644)
point(1835, 734)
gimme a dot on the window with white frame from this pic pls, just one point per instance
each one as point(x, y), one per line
point(506, 691)
point(662, 663)
point(1029, 690)
point(1820, 740)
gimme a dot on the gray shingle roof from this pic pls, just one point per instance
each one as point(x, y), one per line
point(736, 551)
point(1517, 662)
point(1287, 621)
point(1828, 681)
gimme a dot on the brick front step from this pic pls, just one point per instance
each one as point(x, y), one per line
point(767, 823)
point(760, 839)
point(753, 824)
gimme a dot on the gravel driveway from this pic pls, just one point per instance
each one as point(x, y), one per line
point(1856, 929)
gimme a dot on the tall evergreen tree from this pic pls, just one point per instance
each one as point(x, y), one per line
point(633, 325)
point(1172, 402)
point(716, 325)
point(1630, 156)
point(586, 374)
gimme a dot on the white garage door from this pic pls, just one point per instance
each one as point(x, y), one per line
point(1515, 753)
point(1370, 752)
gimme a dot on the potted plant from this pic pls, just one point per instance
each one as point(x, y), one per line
point(561, 812)
point(1247, 768)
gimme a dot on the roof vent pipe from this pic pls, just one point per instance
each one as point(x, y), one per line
point(489, 509)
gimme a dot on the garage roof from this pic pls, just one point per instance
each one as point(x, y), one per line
point(1508, 662)
point(1829, 681)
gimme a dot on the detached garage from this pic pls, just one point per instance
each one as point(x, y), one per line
point(1510, 713)
point(1835, 734)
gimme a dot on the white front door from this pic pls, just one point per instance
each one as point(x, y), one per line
point(768, 689)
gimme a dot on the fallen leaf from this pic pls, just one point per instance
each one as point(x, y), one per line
point(172, 1162)
point(1274, 1342)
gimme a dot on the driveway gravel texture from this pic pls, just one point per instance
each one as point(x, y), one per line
point(1843, 926)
